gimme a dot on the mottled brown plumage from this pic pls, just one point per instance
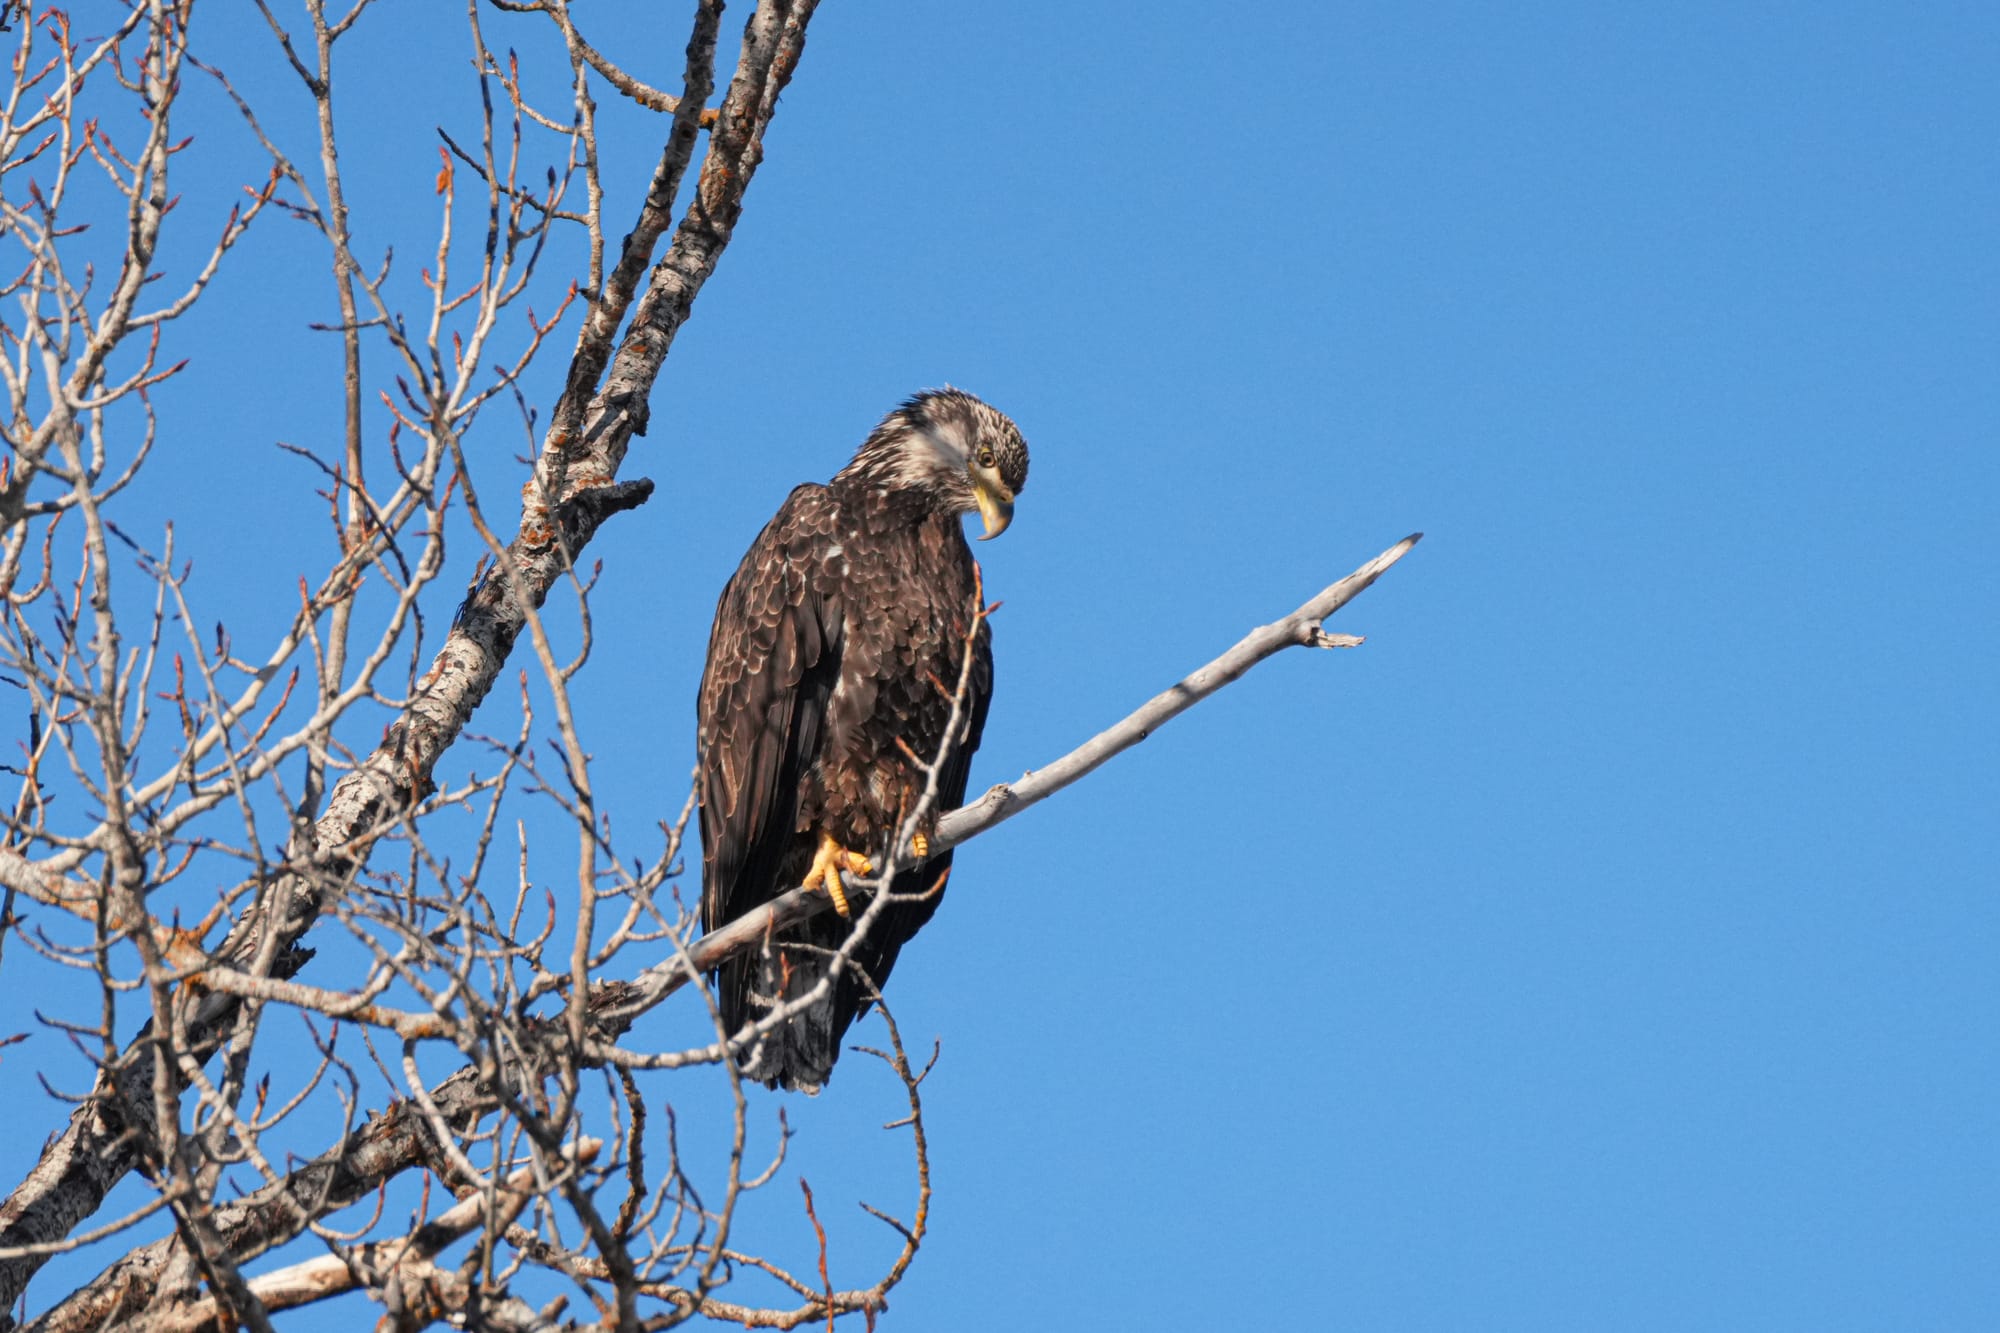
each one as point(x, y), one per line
point(854, 599)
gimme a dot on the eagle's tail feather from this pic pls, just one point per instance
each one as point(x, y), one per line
point(799, 1054)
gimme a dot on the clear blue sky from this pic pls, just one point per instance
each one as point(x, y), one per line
point(1611, 941)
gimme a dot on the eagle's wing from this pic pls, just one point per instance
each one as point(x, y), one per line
point(773, 660)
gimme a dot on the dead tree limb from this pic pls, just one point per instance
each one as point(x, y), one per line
point(1302, 628)
point(406, 1266)
point(1299, 629)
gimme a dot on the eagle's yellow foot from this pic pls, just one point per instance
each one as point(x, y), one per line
point(920, 846)
point(828, 862)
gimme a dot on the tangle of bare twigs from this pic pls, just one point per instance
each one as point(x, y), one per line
point(199, 815)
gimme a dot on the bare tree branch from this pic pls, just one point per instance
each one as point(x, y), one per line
point(408, 1262)
point(1005, 800)
point(1299, 629)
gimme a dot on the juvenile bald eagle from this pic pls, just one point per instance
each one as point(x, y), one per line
point(822, 686)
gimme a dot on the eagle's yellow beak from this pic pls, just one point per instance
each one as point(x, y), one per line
point(996, 509)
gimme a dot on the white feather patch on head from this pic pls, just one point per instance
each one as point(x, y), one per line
point(934, 448)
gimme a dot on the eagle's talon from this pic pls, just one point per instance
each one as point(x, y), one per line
point(828, 862)
point(839, 896)
point(827, 878)
point(920, 846)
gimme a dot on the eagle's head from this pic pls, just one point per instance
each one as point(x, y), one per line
point(951, 449)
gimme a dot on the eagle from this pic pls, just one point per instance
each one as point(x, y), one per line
point(837, 647)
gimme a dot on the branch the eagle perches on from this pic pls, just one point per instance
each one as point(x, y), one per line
point(1001, 802)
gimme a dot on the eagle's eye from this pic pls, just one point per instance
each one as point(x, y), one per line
point(986, 458)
